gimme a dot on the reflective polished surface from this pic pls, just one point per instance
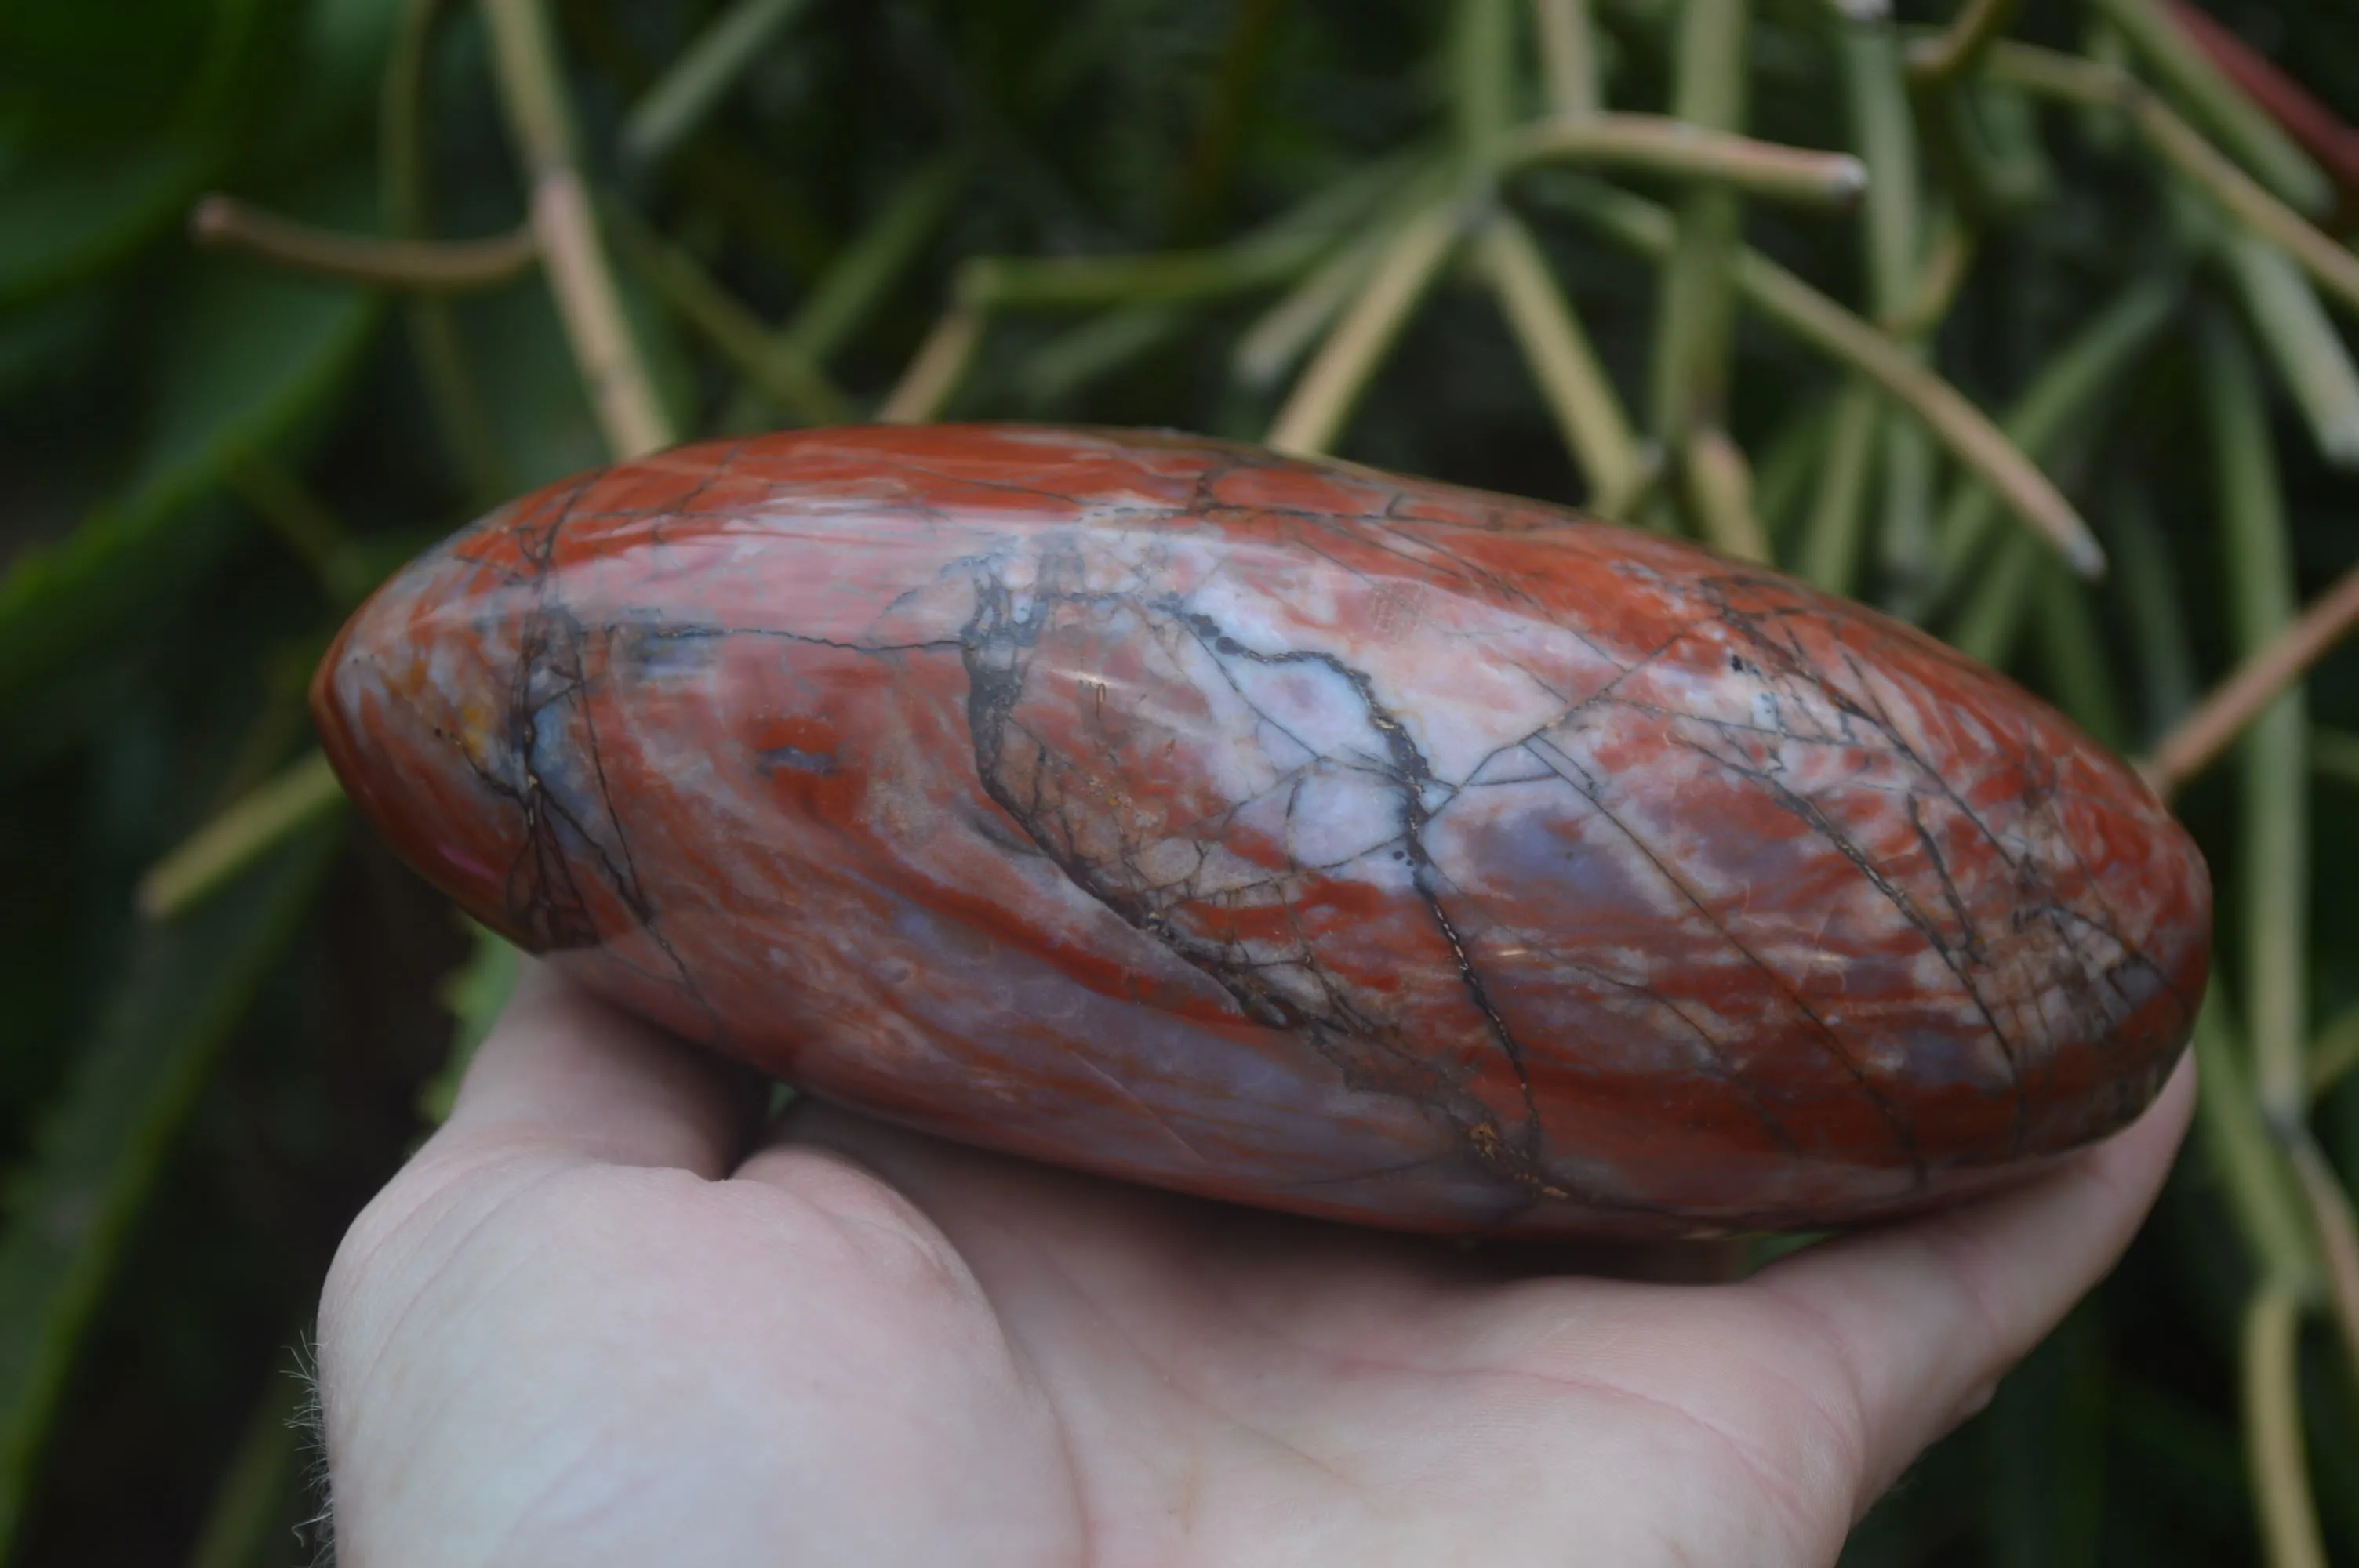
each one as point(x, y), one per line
point(1281, 832)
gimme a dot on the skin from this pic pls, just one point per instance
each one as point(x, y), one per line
point(605, 1317)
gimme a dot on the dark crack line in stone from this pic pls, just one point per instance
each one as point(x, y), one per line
point(1808, 812)
point(1902, 1134)
point(1796, 666)
point(540, 804)
point(658, 632)
point(1412, 774)
point(996, 642)
point(1974, 948)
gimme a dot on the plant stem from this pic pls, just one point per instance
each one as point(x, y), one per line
point(2240, 124)
point(2149, 585)
point(1658, 144)
point(669, 112)
point(1284, 332)
point(1331, 384)
point(2281, 1476)
point(263, 1470)
point(769, 360)
point(1878, 103)
point(2338, 1236)
point(2293, 328)
point(1483, 75)
point(938, 368)
point(1693, 318)
point(988, 283)
point(1555, 346)
point(1809, 315)
point(2334, 1052)
point(1791, 457)
point(1949, 256)
point(2260, 680)
point(1893, 244)
point(2318, 130)
point(2334, 753)
point(1207, 172)
point(840, 300)
point(1100, 345)
point(403, 205)
point(1993, 614)
point(2089, 365)
point(211, 857)
point(2275, 782)
point(2205, 167)
point(2074, 658)
point(532, 90)
point(1830, 537)
point(1165, 278)
point(1950, 54)
point(316, 535)
point(1569, 57)
point(429, 267)
point(2263, 1196)
point(1719, 485)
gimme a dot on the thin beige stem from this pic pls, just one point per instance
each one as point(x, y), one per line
point(209, 856)
point(1690, 367)
point(1557, 348)
point(2264, 1196)
point(309, 531)
point(1944, 409)
point(938, 368)
point(532, 90)
point(1719, 494)
point(2273, 1441)
point(620, 389)
point(1331, 384)
point(2335, 1051)
point(768, 360)
point(1949, 257)
point(1942, 59)
point(1285, 332)
point(1658, 144)
point(2171, 54)
point(2290, 325)
point(1844, 336)
point(425, 266)
point(1568, 56)
point(2338, 1237)
point(2203, 734)
point(2098, 85)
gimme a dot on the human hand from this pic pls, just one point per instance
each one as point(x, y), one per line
point(600, 1320)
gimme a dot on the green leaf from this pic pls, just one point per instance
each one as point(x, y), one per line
point(248, 1523)
point(532, 402)
point(47, 344)
point(253, 353)
point(98, 1153)
point(73, 217)
point(2042, 1446)
point(78, 75)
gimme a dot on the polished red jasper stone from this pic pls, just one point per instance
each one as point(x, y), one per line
point(1279, 830)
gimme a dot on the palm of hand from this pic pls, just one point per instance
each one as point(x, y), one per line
point(582, 1327)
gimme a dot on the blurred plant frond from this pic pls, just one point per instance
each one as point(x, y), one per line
point(2030, 324)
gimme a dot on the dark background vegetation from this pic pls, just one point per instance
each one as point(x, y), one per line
point(204, 458)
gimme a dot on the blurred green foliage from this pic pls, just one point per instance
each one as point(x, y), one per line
point(844, 206)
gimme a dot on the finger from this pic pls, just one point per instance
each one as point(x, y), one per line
point(1926, 1315)
point(563, 1072)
